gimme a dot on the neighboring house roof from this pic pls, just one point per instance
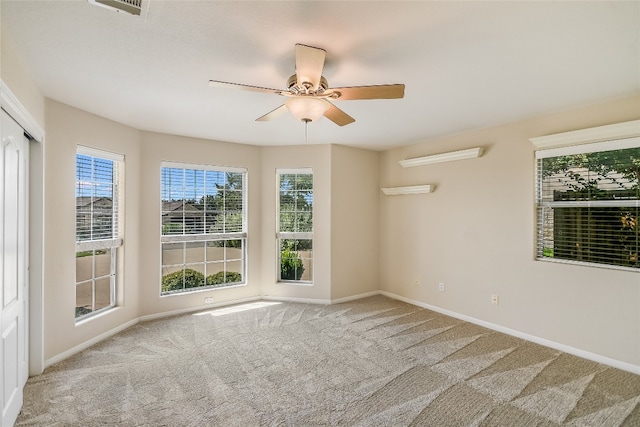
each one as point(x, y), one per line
point(178, 206)
point(169, 208)
point(87, 201)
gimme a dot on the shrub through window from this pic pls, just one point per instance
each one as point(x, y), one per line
point(295, 225)
point(203, 227)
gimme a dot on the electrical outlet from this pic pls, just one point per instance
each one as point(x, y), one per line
point(441, 287)
point(495, 300)
point(208, 300)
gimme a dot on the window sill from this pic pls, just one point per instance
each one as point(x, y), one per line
point(202, 289)
point(294, 282)
point(589, 264)
point(96, 314)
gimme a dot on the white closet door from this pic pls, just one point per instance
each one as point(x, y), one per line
point(14, 369)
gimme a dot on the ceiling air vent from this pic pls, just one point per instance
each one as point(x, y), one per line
point(130, 6)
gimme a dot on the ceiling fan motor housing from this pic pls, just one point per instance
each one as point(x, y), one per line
point(303, 87)
point(308, 94)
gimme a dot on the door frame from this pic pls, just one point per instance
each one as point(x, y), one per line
point(10, 103)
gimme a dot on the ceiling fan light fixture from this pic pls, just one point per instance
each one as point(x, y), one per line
point(307, 109)
point(308, 94)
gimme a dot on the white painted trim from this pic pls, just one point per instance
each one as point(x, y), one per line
point(296, 171)
point(12, 105)
point(94, 152)
point(355, 297)
point(178, 238)
point(36, 257)
point(188, 310)
point(85, 345)
point(470, 153)
point(90, 245)
point(587, 136)
point(614, 144)
point(19, 113)
point(95, 340)
point(298, 300)
point(629, 367)
point(294, 235)
point(196, 166)
point(413, 189)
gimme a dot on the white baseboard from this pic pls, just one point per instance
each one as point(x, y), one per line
point(187, 310)
point(320, 301)
point(292, 299)
point(355, 297)
point(542, 341)
point(95, 340)
point(77, 349)
point(85, 345)
point(635, 369)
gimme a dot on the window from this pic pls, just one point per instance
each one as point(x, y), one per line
point(295, 225)
point(588, 203)
point(97, 229)
point(204, 227)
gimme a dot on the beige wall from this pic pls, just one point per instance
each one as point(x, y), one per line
point(354, 221)
point(317, 157)
point(17, 77)
point(139, 266)
point(66, 128)
point(475, 233)
point(156, 148)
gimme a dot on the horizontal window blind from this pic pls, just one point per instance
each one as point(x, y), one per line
point(202, 202)
point(98, 236)
point(588, 204)
point(97, 192)
point(204, 229)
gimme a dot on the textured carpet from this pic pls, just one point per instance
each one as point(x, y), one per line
point(372, 362)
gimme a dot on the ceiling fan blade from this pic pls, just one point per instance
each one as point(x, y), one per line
point(273, 114)
point(227, 85)
point(309, 64)
point(369, 92)
point(338, 116)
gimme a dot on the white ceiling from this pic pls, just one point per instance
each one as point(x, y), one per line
point(466, 65)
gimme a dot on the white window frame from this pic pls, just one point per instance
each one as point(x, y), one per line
point(605, 138)
point(283, 235)
point(113, 243)
point(207, 237)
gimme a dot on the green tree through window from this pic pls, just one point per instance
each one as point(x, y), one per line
point(589, 206)
point(295, 225)
point(203, 227)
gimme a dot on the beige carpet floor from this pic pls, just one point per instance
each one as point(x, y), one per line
point(371, 362)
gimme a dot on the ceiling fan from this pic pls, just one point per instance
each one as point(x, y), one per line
point(309, 95)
